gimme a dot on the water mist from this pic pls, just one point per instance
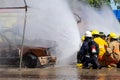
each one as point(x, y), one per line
point(50, 23)
point(102, 19)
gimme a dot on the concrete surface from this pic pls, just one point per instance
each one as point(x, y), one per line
point(69, 72)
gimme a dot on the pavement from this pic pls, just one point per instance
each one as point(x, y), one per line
point(67, 72)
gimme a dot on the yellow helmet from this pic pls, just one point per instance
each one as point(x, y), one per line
point(113, 35)
point(95, 32)
point(83, 38)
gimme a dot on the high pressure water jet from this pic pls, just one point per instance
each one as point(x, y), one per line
point(49, 23)
point(101, 19)
point(52, 23)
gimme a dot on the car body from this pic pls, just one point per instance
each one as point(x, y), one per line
point(32, 56)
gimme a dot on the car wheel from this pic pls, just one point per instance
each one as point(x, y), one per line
point(30, 60)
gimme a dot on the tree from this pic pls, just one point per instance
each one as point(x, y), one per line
point(97, 3)
point(118, 1)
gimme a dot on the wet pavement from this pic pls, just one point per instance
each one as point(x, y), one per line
point(59, 73)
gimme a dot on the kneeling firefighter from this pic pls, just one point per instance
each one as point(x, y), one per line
point(88, 54)
point(113, 51)
point(98, 38)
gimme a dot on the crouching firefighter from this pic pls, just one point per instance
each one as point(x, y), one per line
point(113, 51)
point(88, 54)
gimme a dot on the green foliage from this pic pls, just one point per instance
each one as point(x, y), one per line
point(118, 1)
point(98, 3)
point(95, 3)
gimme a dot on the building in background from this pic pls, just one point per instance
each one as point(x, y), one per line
point(116, 8)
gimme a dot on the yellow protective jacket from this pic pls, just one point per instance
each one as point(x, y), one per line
point(102, 46)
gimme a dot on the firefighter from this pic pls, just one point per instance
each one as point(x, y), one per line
point(89, 52)
point(87, 36)
point(83, 38)
point(113, 51)
point(108, 38)
point(79, 64)
point(119, 38)
point(102, 46)
point(102, 35)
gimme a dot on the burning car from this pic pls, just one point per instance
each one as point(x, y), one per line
point(36, 57)
point(31, 56)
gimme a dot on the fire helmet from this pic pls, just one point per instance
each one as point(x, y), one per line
point(113, 35)
point(102, 34)
point(95, 32)
point(88, 34)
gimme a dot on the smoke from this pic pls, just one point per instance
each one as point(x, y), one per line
point(50, 23)
point(101, 19)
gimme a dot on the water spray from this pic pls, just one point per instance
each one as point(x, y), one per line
point(24, 8)
point(102, 19)
point(50, 20)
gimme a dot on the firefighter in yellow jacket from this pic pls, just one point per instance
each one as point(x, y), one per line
point(102, 46)
point(113, 51)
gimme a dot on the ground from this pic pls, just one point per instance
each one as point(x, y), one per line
point(69, 72)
